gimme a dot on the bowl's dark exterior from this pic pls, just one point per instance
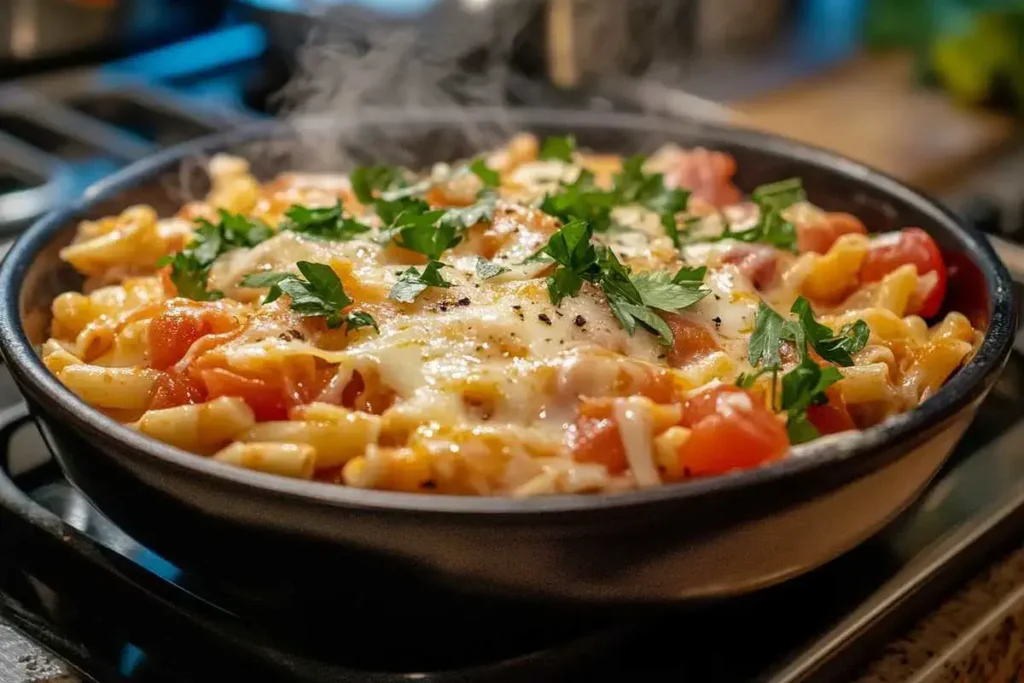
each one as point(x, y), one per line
point(703, 538)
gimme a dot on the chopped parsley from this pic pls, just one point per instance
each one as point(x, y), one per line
point(576, 257)
point(804, 385)
point(581, 200)
point(326, 223)
point(317, 293)
point(632, 299)
point(190, 268)
point(464, 218)
point(425, 233)
point(488, 176)
point(369, 179)
point(671, 294)
point(485, 269)
point(413, 282)
point(771, 228)
point(558, 148)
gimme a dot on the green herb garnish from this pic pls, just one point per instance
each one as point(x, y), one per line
point(369, 179)
point(190, 268)
point(464, 218)
point(327, 223)
point(558, 148)
point(488, 176)
point(317, 293)
point(804, 385)
point(412, 282)
point(485, 269)
point(633, 299)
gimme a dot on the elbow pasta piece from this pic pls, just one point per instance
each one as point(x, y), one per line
point(114, 388)
point(917, 328)
point(895, 289)
point(136, 243)
point(56, 357)
point(394, 469)
point(200, 428)
point(877, 353)
point(128, 348)
point(293, 460)
point(232, 188)
point(335, 441)
point(833, 276)
point(865, 383)
point(953, 326)
point(885, 325)
point(934, 364)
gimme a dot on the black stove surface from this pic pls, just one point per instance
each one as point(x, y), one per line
point(118, 612)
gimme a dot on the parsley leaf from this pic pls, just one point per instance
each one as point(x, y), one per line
point(389, 211)
point(488, 176)
point(367, 179)
point(485, 269)
point(771, 228)
point(323, 223)
point(412, 282)
point(581, 200)
point(667, 205)
point(317, 293)
point(763, 348)
point(467, 217)
point(831, 347)
point(780, 195)
point(190, 268)
point(633, 186)
point(659, 290)
point(625, 299)
point(403, 191)
point(425, 233)
point(189, 276)
point(802, 387)
point(571, 249)
point(558, 148)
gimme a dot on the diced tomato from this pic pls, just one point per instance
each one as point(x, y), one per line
point(266, 400)
point(707, 174)
point(755, 261)
point(173, 331)
point(659, 386)
point(173, 390)
point(819, 236)
point(729, 429)
point(690, 340)
point(831, 417)
point(595, 437)
point(909, 246)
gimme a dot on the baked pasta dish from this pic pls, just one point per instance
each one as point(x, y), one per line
point(540, 319)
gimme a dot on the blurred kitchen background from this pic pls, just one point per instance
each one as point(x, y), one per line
point(928, 90)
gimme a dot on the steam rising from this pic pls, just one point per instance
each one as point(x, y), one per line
point(459, 54)
point(450, 58)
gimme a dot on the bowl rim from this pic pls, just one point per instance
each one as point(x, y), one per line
point(958, 393)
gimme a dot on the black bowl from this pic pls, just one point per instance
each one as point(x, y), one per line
point(710, 537)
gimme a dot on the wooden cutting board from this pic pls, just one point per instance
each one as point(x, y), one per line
point(871, 110)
